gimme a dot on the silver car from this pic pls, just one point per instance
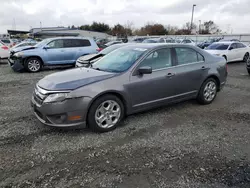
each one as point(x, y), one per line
point(128, 80)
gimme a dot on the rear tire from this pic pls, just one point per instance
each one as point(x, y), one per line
point(248, 70)
point(246, 57)
point(208, 91)
point(105, 113)
point(33, 64)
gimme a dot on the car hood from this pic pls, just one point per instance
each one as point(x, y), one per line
point(73, 79)
point(89, 57)
point(22, 48)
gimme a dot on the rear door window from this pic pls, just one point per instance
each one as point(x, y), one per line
point(80, 42)
point(187, 56)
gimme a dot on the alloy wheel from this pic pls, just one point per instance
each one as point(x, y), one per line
point(210, 91)
point(34, 65)
point(107, 114)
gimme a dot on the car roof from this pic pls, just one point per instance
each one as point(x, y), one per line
point(156, 45)
point(89, 38)
point(225, 42)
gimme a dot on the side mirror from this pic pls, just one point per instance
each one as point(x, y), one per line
point(145, 70)
point(230, 48)
point(46, 47)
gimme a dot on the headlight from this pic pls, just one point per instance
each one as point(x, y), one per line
point(57, 97)
point(18, 54)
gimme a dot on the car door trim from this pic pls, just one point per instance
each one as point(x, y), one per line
point(166, 98)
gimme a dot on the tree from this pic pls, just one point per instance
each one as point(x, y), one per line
point(95, 26)
point(210, 28)
point(118, 30)
point(152, 29)
point(171, 29)
point(73, 27)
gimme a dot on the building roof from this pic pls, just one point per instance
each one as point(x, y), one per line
point(14, 32)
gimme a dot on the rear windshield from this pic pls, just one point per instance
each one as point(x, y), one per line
point(217, 46)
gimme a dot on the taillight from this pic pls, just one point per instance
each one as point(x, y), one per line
point(99, 49)
point(5, 47)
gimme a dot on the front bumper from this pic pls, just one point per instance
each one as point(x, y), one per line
point(68, 113)
point(16, 64)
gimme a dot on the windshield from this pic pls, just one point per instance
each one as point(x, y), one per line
point(217, 46)
point(42, 43)
point(119, 60)
point(109, 49)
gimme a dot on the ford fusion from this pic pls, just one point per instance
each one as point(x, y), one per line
point(128, 80)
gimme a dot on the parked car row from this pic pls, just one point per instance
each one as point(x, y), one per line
point(127, 79)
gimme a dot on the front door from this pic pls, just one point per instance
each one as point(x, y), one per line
point(151, 90)
point(55, 52)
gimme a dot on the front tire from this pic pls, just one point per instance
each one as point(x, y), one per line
point(208, 91)
point(33, 64)
point(248, 70)
point(105, 113)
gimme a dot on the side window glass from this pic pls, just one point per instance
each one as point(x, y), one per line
point(84, 42)
point(67, 43)
point(233, 46)
point(56, 44)
point(158, 59)
point(186, 56)
point(200, 57)
point(161, 40)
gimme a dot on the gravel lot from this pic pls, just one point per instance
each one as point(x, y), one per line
point(184, 145)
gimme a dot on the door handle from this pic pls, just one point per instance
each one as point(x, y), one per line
point(203, 68)
point(169, 75)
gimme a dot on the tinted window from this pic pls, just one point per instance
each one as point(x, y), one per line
point(240, 45)
point(56, 44)
point(187, 55)
point(158, 59)
point(217, 46)
point(233, 46)
point(73, 43)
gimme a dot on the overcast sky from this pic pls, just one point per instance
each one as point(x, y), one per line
point(228, 14)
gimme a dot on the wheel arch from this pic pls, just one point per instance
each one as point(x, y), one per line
point(34, 56)
point(115, 93)
point(216, 78)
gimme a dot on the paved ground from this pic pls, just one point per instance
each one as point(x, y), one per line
point(185, 145)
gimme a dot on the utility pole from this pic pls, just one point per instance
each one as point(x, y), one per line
point(192, 17)
point(199, 26)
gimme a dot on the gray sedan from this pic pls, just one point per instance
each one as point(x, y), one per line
point(128, 80)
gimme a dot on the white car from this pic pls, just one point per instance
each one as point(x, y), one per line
point(188, 41)
point(4, 51)
point(230, 50)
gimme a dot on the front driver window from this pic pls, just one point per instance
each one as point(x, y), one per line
point(158, 59)
point(56, 44)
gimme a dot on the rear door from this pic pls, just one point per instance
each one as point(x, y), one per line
point(85, 46)
point(70, 50)
point(233, 53)
point(190, 71)
point(242, 49)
